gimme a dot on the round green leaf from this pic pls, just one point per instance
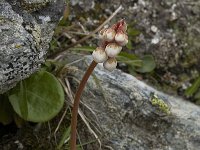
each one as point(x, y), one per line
point(38, 98)
point(148, 64)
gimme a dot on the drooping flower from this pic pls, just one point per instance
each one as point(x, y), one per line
point(109, 34)
point(99, 55)
point(121, 38)
point(113, 49)
point(112, 40)
point(110, 64)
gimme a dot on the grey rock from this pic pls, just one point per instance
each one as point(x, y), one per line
point(84, 4)
point(127, 118)
point(26, 28)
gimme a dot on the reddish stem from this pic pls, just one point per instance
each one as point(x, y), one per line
point(76, 104)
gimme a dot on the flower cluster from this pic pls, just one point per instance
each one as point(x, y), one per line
point(112, 40)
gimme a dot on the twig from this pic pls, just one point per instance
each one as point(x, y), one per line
point(88, 36)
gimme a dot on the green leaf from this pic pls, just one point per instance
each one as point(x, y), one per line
point(23, 100)
point(129, 56)
point(43, 94)
point(133, 32)
point(129, 45)
point(65, 136)
point(131, 70)
point(195, 86)
point(134, 63)
point(129, 59)
point(83, 48)
point(6, 110)
point(52, 66)
point(148, 64)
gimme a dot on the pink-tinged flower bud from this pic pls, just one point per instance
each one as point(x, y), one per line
point(121, 38)
point(124, 27)
point(109, 34)
point(99, 55)
point(113, 49)
point(110, 64)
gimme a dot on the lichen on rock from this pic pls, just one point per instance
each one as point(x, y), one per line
point(34, 5)
point(25, 37)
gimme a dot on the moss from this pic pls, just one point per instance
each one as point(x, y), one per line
point(155, 101)
point(18, 46)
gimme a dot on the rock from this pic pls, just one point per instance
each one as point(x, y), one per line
point(129, 120)
point(26, 28)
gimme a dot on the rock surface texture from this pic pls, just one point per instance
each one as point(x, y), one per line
point(129, 120)
point(26, 28)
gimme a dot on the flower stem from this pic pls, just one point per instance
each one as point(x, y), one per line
point(76, 104)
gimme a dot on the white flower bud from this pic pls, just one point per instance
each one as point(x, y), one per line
point(99, 55)
point(110, 64)
point(121, 38)
point(109, 34)
point(123, 43)
point(113, 49)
